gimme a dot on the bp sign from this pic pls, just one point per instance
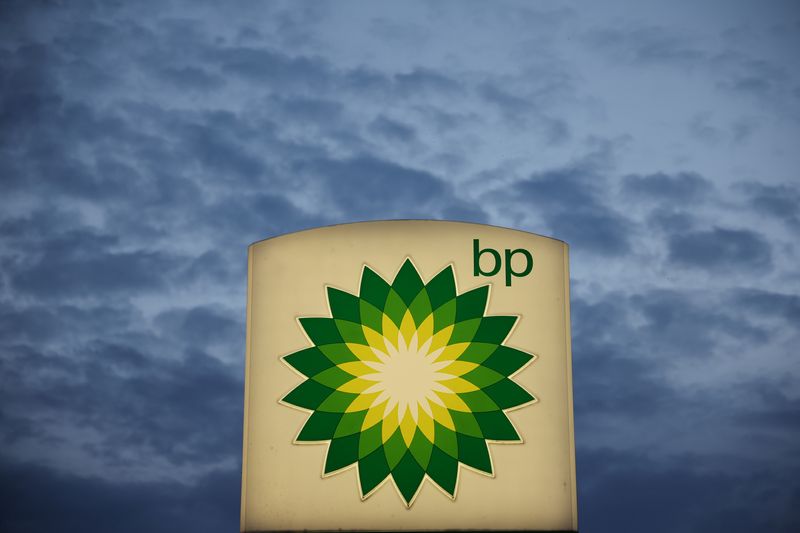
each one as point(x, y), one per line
point(387, 362)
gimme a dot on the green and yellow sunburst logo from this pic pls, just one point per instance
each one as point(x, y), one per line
point(408, 380)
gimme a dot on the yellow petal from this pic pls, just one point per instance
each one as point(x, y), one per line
point(390, 331)
point(425, 423)
point(362, 402)
point(374, 415)
point(453, 351)
point(374, 339)
point(408, 427)
point(458, 368)
point(441, 338)
point(407, 327)
point(356, 386)
point(425, 330)
point(441, 415)
point(390, 424)
point(356, 368)
point(363, 352)
point(452, 401)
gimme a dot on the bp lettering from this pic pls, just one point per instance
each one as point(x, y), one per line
point(524, 262)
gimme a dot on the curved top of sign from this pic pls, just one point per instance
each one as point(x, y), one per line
point(405, 220)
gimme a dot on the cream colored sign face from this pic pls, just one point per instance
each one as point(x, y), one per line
point(408, 375)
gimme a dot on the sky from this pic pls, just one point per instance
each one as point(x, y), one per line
point(144, 145)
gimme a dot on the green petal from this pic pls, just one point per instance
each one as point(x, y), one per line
point(395, 307)
point(408, 477)
point(465, 331)
point(308, 362)
point(442, 288)
point(350, 332)
point(337, 402)
point(443, 470)
point(507, 360)
point(466, 424)
point(373, 288)
point(338, 353)
point(372, 469)
point(421, 307)
point(421, 449)
point(333, 377)
point(496, 426)
point(471, 304)
point(319, 426)
point(445, 439)
point(508, 394)
point(395, 448)
point(444, 316)
point(371, 316)
point(473, 452)
point(350, 424)
point(321, 330)
point(479, 402)
point(495, 329)
point(407, 283)
point(308, 395)
point(478, 352)
point(343, 305)
point(483, 377)
point(342, 452)
point(370, 441)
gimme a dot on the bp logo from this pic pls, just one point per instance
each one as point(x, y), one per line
point(408, 380)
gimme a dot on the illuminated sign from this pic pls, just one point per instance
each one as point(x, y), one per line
point(408, 375)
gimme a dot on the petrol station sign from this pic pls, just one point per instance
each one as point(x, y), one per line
point(408, 375)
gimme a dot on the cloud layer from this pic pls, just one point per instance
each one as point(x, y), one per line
point(142, 148)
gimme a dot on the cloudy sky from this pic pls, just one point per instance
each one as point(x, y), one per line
point(143, 146)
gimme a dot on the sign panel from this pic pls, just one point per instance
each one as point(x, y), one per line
point(408, 375)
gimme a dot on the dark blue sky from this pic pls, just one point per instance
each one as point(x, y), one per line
point(143, 145)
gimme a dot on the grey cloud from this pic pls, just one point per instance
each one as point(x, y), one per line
point(670, 220)
point(678, 321)
point(51, 254)
point(779, 201)
point(145, 405)
point(601, 232)
point(700, 127)
point(276, 68)
point(42, 499)
point(733, 71)
point(314, 110)
point(202, 326)
point(785, 306)
point(215, 267)
point(773, 411)
point(752, 76)
point(527, 111)
point(646, 45)
point(417, 83)
point(215, 142)
point(315, 75)
point(571, 204)
point(621, 492)
point(683, 187)
point(367, 187)
point(620, 343)
point(721, 249)
point(37, 323)
point(243, 219)
point(191, 78)
point(392, 130)
point(421, 80)
point(86, 272)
